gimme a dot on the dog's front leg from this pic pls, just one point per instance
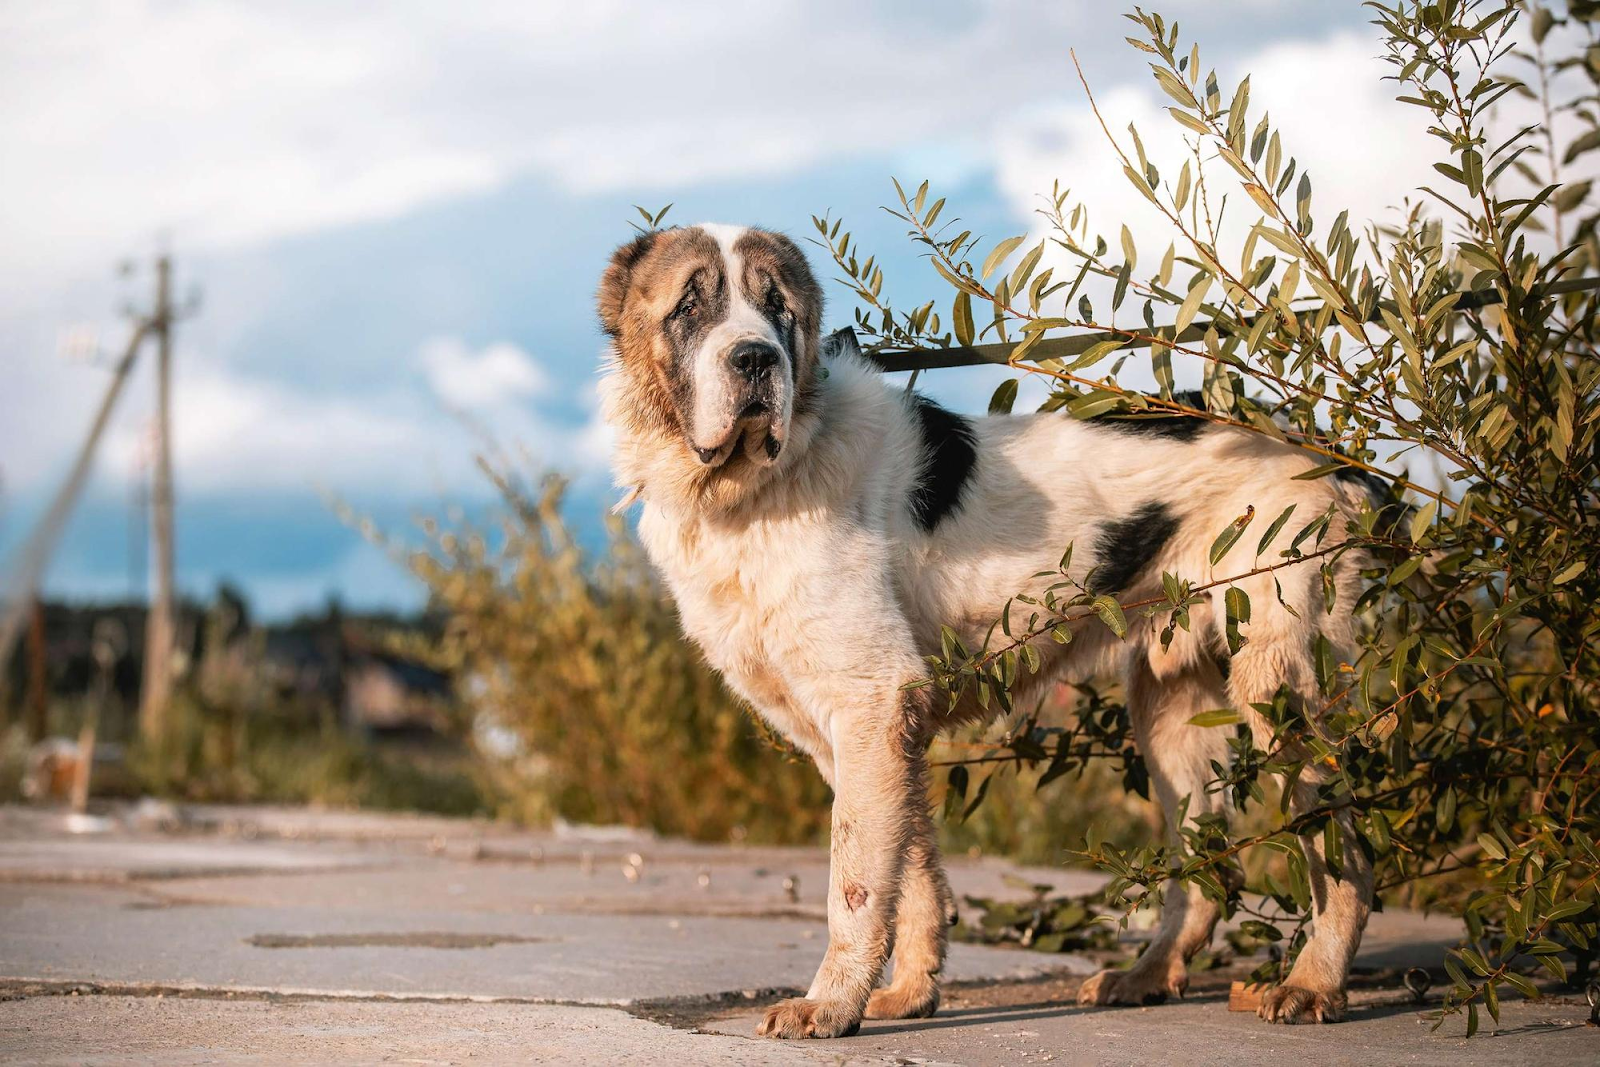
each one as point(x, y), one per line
point(921, 926)
point(877, 758)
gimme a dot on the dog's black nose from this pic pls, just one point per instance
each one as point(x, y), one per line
point(751, 358)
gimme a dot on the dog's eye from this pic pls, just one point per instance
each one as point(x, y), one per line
point(687, 307)
point(775, 301)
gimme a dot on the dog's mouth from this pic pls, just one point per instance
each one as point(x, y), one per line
point(756, 434)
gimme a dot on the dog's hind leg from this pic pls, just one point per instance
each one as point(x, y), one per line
point(1178, 757)
point(1315, 988)
point(920, 930)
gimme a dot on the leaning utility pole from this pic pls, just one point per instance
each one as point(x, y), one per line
point(160, 625)
point(28, 564)
point(20, 575)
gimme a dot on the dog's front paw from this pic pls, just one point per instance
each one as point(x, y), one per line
point(798, 1017)
point(1296, 1004)
point(914, 1000)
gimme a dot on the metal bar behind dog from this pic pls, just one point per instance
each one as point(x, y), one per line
point(1064, 347)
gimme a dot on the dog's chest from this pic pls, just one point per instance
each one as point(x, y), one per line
point(732, 591)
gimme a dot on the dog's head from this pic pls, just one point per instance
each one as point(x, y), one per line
point(715, 331)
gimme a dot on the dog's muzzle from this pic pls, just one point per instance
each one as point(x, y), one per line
point(754, 380)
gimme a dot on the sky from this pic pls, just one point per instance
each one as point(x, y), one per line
point(393, 217)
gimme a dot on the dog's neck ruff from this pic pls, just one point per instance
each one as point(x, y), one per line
point(654, 464)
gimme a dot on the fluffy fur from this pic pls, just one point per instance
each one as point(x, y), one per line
point(789, 513)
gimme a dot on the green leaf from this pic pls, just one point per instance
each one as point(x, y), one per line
point(1121, 289)
point(1569, 909)
point(1025, 268)
point(1584, 143)
point(1236, 604)
point(1572, 194)
point(1226, 539)
point(1422, 520)
point(1543, 19)
point(1187, 120)
point(1110, 613)
point(1472, 171)
point(1005, 395)
point(955, 790)
point(1219, 717)
point(1191, 304)
point(999, 253)
point(1272, 531)
point(1093, 404)
point(1522, 985)
point(962, 314)
point(1320, 472)
point(1570, 573)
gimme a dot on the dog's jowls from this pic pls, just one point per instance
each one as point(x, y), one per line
point(816, 525)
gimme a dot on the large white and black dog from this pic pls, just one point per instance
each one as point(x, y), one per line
point(817, 525)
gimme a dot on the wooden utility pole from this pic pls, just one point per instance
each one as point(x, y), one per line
point(27, 566)
point(160, 626)
point(38, 713)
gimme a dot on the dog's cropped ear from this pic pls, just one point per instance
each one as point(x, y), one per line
point(841, 343)
point(614, 282)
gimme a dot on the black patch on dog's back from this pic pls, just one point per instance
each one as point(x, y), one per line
point(1375, 487)
point(1171, 427)
point(1123, 548)
point(949, 453)
point(1157, 423)
point(1393, 513)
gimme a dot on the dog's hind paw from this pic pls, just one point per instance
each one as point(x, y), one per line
point(798, 1017)
point(1133, 986)
point(1296, 1004)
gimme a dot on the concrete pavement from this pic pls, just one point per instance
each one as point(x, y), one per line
point(286, 935)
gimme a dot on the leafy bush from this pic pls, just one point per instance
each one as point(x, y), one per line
point(579, 659)
point(1460, 339)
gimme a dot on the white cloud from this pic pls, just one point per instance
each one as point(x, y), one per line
point(500, 374)
point(1362, 149)
point(239, 433)
point(224, 124)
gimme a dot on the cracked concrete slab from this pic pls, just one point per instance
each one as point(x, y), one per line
point(142, 1030)
point(1042, 1025)
point(755, 883)
point(423, 938)
point(95, 860)
point(112, 934)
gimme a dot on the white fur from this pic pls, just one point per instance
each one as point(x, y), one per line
point(849, 558)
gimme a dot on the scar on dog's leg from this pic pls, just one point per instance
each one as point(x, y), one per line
point(878, 788)
point(1315, 988)
point(1179, 757)
point(920, 929)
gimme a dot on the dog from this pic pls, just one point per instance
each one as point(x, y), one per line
point(817, 527)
